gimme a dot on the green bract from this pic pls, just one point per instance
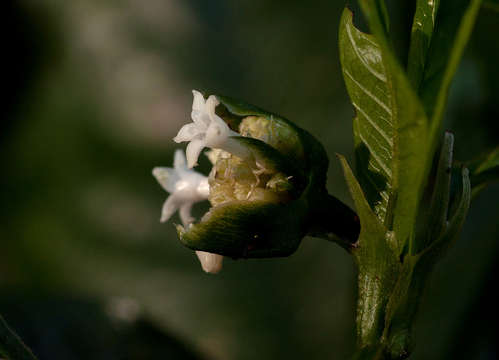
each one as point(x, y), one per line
point(265, 203)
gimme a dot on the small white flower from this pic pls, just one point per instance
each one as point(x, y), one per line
point(186, 187)
point(207, 130)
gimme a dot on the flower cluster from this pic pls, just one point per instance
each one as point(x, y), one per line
point(242, 170)
point(266, 186)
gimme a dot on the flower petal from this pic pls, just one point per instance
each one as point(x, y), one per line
point(166, 177)
point(179, 161)
point(199, 115)
point(203, 188)
point(210, 106)
point(193, 150)
point(201, 119)
point(198, 102)
point(211, 263)
point(185, 214)
point(187, 133)
point(169, 207)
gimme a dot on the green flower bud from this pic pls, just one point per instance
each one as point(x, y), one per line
point(267, 188)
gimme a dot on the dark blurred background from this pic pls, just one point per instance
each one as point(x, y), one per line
point(95, 90)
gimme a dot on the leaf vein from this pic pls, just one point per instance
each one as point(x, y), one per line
point(373, 123)
point(374, 156)
point(368, 93)
point(377, 74)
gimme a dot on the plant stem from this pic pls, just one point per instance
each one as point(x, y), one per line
point(11, 345)
point(332, 220)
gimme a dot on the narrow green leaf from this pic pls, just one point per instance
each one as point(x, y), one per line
point(484, 170)
point(487, 162)
point(413, 277)
point(390, 126)
point(456, 220)
point(438, 211)
point(378, 267)
point(454, 24)
point(368, 219)
point(377, 16)
point(406, 297)
point(421, 34)
point(491, 4)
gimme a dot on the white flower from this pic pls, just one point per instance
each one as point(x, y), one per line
point(186, 187)
point(207, 130)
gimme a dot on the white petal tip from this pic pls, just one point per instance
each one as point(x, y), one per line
point(159, 172)
point(193, 151)
point(212, 101)
point(211, 263)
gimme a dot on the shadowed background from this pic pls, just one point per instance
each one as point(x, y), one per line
point(96, 90)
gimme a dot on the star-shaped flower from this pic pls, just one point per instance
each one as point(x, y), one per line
point(186, 187)
point(207, 130)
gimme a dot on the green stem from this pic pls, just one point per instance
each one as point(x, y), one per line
point(332, 220)
point(11, 345)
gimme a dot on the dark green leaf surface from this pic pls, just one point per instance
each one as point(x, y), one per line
point(484, 170)
point(390, 126)
point(416, 269)
point(378, 266)
point(491, 4)
point(438, 211)
point(454, 24)
point(457, 216)
point(368, 219)
point(421, 34)
point(365, 78)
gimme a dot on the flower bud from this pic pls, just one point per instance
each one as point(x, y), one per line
point(267, 185)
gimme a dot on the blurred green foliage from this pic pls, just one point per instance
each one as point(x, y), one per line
point(96, 91)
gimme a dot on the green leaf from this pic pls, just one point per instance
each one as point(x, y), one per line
point(363, 69)
point(491, 4)
point(484, 170)
point(377, 16)
point(390, 126)
point(453, 27)
point(378, 266)
point(439, 205)
point(368, 220)
point(457, 217)
point(421, 35)
point(416, 269)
